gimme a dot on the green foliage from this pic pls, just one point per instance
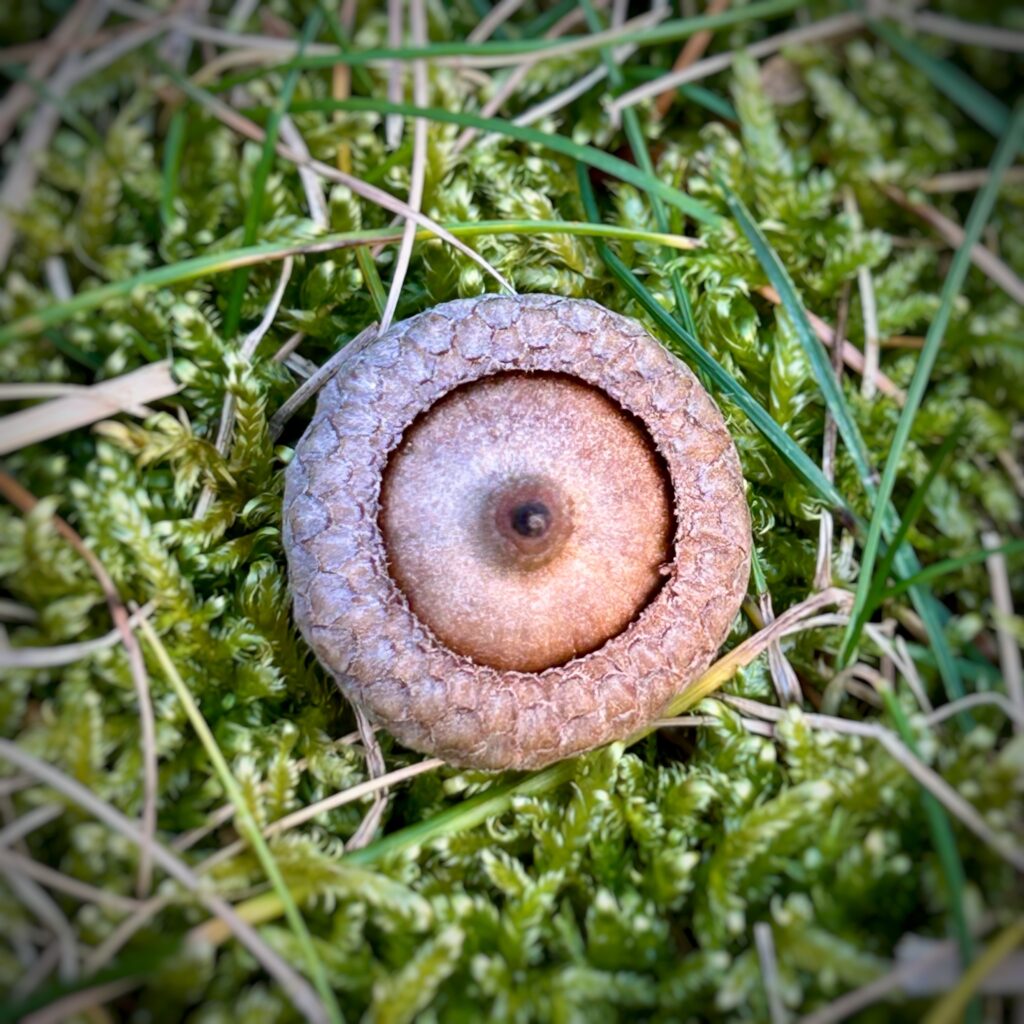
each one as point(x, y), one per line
point(630, 890)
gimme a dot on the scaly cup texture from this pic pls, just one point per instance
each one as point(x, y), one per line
point(516, 528)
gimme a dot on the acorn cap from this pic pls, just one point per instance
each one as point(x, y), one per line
point(516, 528)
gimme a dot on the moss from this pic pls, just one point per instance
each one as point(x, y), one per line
point(628, 892)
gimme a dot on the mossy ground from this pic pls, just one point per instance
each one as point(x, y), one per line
point(630, 889)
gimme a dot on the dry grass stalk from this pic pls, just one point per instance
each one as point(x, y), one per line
point(308, 388)
point(65, 654)
point(691, 52)
point(376, 768)
point(967, 181)
point(85, 1002)
point(1009, 649)
point(85, 406)
point(417, 173)
point(826, 525)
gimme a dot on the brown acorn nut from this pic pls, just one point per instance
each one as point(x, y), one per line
point(516, 529)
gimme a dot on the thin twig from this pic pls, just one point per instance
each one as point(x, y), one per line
point(39, 971)
point(16, 830)
point(24, 501)
point(896, 650)
point(375, 768)
point(98, 957)
point(796, 619)
point(72, 1005)
point(52, 879)
point(787, 686)
point(1009, 649)
point(967, 181)
point(977, 700)
point(966, 33)
point(336, 800)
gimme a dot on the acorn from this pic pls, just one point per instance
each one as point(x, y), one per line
point(516, 529)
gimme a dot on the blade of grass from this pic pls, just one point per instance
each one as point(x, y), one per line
point(246, 823)
point(254, 208)
point(196, 267)
point(789, 451)
point(911, 513)
point(977, 103)
point(589, 155)
point(814, 350)
point(981, 210)
point(173, 145)
point(948, 565)
point(904, 560)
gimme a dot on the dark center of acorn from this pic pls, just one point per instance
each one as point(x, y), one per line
point(531, 519)
point(526, 522)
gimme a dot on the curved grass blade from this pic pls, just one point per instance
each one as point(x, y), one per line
point(589, 155)
point(667, 32)
point(789, 451)
point(219, 263)
point(813, 349)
